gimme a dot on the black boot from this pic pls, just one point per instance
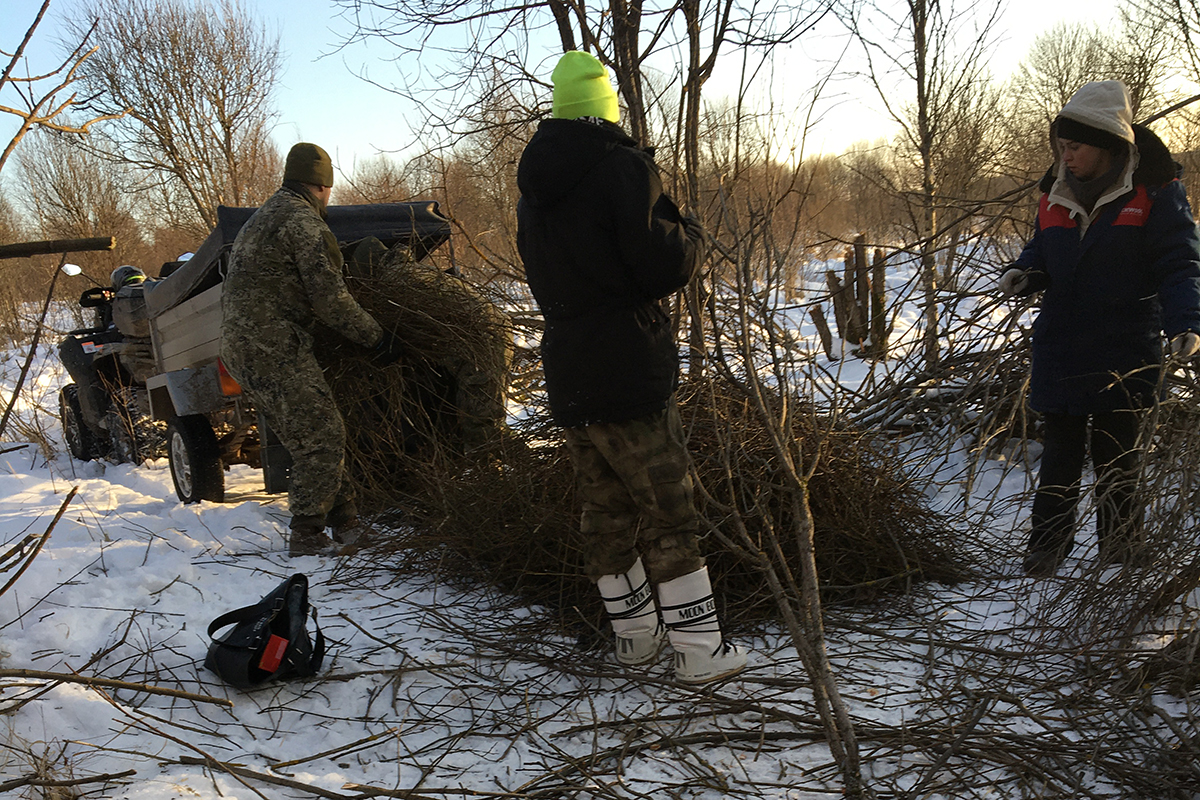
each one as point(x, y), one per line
point(349, 530)
point(307, 537)
point(1041, 563)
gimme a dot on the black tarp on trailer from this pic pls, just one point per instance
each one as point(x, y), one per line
point(419, 225)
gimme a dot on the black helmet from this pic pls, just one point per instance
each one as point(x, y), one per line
point(126, 275)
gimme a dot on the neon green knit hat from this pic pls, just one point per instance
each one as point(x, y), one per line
point(582, 88)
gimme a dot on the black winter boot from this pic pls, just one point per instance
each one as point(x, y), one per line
point(1041, 563)
point(307, 537)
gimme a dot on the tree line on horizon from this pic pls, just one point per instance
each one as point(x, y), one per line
point(160, 129)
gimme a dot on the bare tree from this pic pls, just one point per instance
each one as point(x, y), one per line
point(73, 193)
point(1142, 55)
point(12, 227)
point(44, 100)
point(1177, 21)
point(685, 41)
point(378, 179)
point(919, 51)
point(1059, 62)
point(197, 79)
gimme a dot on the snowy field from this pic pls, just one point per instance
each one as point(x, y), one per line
point(432, 690)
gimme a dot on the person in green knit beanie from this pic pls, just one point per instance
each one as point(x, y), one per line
point(309, 163)
point(582, 89)
point(603, 247)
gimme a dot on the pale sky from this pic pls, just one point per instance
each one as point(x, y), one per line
point(321, 100)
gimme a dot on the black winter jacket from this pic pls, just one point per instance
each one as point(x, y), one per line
point(1112, 292)
point(602, 246)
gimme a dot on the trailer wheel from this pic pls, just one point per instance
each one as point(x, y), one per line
point(195, 459)
point(80, 439)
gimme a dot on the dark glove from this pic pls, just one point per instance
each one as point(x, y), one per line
point(388, 350)
point(1017, 282)
point(1185, 345)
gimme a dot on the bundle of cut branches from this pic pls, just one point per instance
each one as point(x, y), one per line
point(407, 418)
point(507, 515)
point(512, 521)
point(873, 528)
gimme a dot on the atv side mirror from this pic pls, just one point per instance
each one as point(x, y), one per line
point(96, 297)
point(72, 269)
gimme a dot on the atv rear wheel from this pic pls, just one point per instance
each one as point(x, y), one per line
point(133, 438)
point(81, 442)
point(195, 458)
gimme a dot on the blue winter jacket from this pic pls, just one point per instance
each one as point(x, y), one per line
point(1110, 294)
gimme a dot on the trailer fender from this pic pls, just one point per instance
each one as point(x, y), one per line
point(182, 392)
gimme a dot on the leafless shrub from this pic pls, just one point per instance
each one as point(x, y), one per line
point(45, 766)
point(197, 109)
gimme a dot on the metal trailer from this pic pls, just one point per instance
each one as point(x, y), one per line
point(210, 423)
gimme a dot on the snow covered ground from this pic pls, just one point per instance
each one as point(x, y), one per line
point(434, 690)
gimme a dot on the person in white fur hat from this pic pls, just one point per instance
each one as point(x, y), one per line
point(1116, 256)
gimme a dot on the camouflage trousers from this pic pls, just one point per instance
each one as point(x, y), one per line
point(290, 391)
point(637, 496)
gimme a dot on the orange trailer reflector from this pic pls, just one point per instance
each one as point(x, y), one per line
point(229, 387)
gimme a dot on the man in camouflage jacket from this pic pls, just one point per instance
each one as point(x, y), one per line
point(285, 275)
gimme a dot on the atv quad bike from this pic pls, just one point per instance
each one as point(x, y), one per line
point(105, 412)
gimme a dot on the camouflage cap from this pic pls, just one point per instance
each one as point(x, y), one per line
point(308, 163)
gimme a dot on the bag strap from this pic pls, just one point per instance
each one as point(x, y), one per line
point(305, 654)
point(274, 602)
point(318, 654)
point(243, 614)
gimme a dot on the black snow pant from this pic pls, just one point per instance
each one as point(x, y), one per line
point(1112, 437)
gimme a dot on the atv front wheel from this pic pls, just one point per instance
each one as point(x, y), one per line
point(81, 442)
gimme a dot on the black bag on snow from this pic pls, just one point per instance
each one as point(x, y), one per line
point(269, 639)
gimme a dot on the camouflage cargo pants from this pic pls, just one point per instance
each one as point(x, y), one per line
point(295, 399)
point(637, 496)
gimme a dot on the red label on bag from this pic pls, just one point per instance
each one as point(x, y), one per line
point(272, 656)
